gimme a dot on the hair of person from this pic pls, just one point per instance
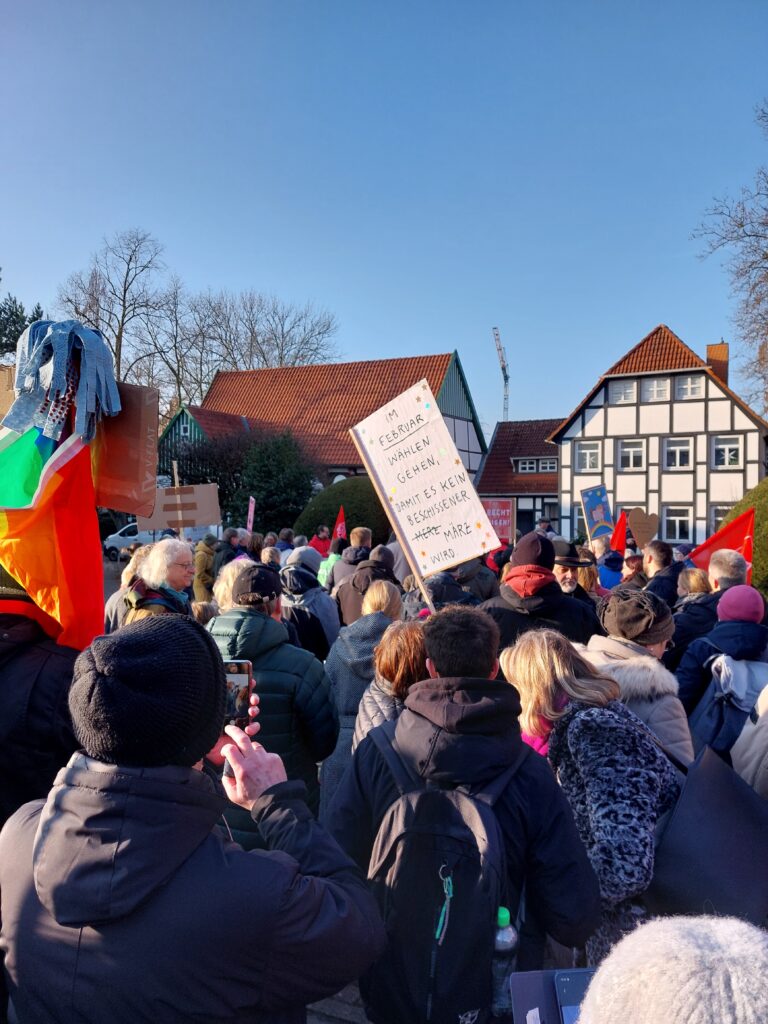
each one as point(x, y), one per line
point(660, 552)
point(270, 555)
point(338, 544)
point(461, 641)
point(542, 666)
point(154, 568)
point(286, 535)
point(255, 544)
point(409, 583)
point(728, 567)
point(203, 611)
point(400, 656)
point(270, 539)
point(361, 537)
point(601, 545)
point(383, 596)
point(588, 577)
point(300, 541)
point(229, 533)
point(506, 570)
point(133, 566)
point(322, 526)
point(222, 588)
point(694, 581)
point(243, 536)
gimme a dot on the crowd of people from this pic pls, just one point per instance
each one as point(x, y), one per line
point(156, 865)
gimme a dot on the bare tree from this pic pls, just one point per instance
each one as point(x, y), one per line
point(739, 227)
point(118, 294)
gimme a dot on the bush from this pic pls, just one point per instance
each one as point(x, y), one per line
point(277, 474)
point(757, 498)
point(361, 508)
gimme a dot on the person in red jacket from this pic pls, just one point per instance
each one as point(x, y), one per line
point(322, 540)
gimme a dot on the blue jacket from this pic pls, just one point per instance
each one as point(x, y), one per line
point(742, 640)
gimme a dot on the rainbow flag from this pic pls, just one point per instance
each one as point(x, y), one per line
point(49, 532)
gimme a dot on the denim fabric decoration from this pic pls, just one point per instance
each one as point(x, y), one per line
point(47, 382)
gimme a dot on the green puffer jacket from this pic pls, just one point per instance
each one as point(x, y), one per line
point(297, 714)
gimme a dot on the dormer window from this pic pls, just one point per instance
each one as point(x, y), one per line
point(526, 466)
point(622, 392)
point(689, 387)
point(547, 465)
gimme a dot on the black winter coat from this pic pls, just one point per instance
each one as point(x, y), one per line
point(742, 640)
point(477, 579)
point(692, 619)
point(550, 608)
point(139, 911)
point(377, 706)
point(296, 711)
point(664, 583)
point(36, 736)
point(465, 732)
point(350, 670)
point(618, 783)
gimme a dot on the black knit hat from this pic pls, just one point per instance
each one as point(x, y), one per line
point(533, 549)
point(637, 615)
point(150, 694)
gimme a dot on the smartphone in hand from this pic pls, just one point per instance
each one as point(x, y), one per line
point(239, 675)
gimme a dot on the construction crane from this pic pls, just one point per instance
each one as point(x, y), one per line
point(504, 371)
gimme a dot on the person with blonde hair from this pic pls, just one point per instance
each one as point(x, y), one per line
point(350, 668)
point(116, 609)
point(270, 556)
point(615, 776)
point(222, 588)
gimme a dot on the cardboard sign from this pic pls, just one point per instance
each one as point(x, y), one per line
point(180, 507)
point(597, 511)
point(644, 526)
point(422, 483)
point(251, 511)
point(124, 453)
point(502, 513)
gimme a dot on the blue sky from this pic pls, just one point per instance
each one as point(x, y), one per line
point(425, 170)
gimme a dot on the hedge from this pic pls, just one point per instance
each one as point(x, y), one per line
point(361, 508)
point(757, 498)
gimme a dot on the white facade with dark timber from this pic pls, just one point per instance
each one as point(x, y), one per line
point(664, 432)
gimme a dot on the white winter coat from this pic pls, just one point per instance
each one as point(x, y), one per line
point(647, 688)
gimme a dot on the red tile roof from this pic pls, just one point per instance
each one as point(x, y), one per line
point(512, 440)
point(659, 351)
point(216, 424)
point(320, 403)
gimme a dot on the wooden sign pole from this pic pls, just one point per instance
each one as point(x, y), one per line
point(178, 495)
point(393, 523)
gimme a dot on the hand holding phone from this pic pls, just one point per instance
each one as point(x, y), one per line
point(252, 769)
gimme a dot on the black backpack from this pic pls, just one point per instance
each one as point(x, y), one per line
point(438, 871)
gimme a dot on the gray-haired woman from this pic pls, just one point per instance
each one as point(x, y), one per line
point(161, 587)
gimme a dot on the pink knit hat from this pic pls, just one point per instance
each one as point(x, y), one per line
point(741, 604)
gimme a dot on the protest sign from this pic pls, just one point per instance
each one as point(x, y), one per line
point(124, 452)
point(177, 508)
point(251, 510)
point(422, 483)
point(597, 511)
point(502, 513)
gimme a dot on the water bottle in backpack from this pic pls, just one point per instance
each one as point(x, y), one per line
point(502, 965)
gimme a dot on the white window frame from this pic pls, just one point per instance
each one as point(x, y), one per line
point(671, 515)
point(728, 442)
point(622, 392)
point(548, 465)
point(184, 429)
point(579, 522)
point(717, 514)
point(526, 465)
point(689, 387)
point(634, 446)
point(587, 448)
point(654, 389)
point(675, 445)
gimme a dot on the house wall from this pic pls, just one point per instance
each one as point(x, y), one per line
point(690, 498)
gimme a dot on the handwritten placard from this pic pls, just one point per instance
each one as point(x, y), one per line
point(410, 455)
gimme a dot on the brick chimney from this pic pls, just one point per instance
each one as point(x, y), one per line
point(717, 359)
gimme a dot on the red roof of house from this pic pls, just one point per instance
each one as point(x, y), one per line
point(659, 351)
point(513, 440)
point(319, 404)
point(217, 424)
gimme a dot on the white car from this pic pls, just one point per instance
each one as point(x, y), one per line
point(130, 534)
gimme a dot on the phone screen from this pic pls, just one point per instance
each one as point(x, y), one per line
point(571, 987)
point(239, 688)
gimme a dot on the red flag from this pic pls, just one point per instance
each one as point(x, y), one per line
point(737, 536)
point(340, 529)
point(619, 535)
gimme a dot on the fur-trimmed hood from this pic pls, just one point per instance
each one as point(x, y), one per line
point(639, 675)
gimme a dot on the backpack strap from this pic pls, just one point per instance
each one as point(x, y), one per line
point(383, 737)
